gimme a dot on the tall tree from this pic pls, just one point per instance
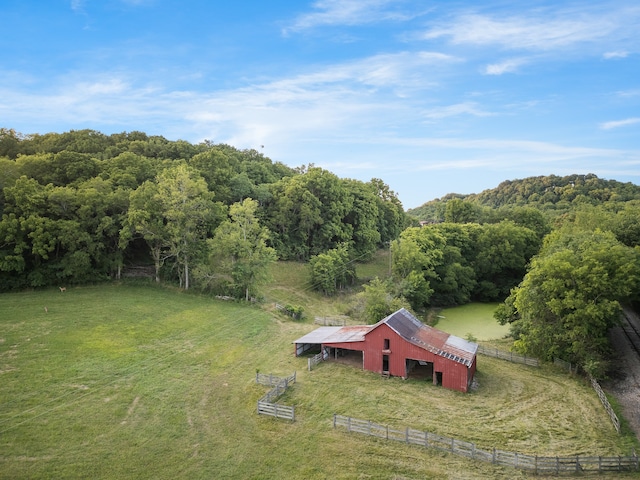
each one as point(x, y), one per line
point(175, 215)
point(333, 270)
point(570, 297)
point(238, 253)
point(190, 214)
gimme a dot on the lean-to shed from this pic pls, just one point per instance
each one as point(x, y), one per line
point(399, 345)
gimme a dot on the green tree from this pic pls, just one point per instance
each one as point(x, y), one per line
point(570, 297)
point(332, 271)
point(503, 251)
point(378, 301)
point(190, 215)
point(460, 211)
point(175, 215)
point(239, 257)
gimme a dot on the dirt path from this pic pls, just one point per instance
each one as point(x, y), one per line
point(625, 385)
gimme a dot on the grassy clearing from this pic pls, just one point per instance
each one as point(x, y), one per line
point(131, 381)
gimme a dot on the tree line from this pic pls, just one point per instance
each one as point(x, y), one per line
point(562, 254)
point(80, 206)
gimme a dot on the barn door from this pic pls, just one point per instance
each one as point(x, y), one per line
point(385, 363)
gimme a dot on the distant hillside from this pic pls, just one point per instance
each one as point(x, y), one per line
point(545, 193)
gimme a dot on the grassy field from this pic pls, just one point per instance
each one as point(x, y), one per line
point(137, 381)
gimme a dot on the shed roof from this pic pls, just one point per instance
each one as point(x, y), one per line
point(352, 333)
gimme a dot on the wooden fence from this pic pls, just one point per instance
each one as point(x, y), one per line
point(605, 403)
point(267, 404)
point(315, 360)
point(510, 356)
point(564, 365)
point(539, 465)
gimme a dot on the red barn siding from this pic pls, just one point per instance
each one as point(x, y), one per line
point(388, 346)
point(455, 375)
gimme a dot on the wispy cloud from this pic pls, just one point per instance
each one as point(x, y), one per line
point(619, 123)
point(628, 93)
point(610, 55)
point(347, 12)
point(77, 5)
point(507, 66)
point(468, 108)
point(533, 32)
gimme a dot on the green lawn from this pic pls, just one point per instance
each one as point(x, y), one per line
point(132, 381)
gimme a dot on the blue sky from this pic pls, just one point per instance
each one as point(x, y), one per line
point(433, 97)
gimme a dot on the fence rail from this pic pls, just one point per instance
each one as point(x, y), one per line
point(510, 356)
point(605, 403)
point(315, 360)
point(533, 463)
point(267, 404)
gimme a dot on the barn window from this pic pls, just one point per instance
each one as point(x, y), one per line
point(386, 344)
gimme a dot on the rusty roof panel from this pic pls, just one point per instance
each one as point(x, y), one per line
point(431, 339)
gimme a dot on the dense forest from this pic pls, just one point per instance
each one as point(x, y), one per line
point(82, 206)
point(564, 298)
point(552, 194)
point(561, 253)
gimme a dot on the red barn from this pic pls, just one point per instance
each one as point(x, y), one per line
point(399, 345)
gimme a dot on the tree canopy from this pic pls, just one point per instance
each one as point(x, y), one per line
point(84, 206)
point(571, 296)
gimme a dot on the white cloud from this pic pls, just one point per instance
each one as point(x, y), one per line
point(507, 66)
point(628, 93)
point(469, 108)
point(619, 123)
point(346, 12)
point(610, 55)
point(77, 5)
point(531, 32)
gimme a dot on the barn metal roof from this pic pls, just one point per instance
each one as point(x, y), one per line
point(353, 333)
point(429, 338)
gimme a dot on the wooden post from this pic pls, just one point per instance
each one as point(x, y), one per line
point(334, 420)
point(406, 434)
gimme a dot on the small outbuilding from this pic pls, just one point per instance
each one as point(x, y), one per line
point(399, 345)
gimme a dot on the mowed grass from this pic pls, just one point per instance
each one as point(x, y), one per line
point(134, 381)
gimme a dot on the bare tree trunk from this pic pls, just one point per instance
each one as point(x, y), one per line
point(186, 273)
